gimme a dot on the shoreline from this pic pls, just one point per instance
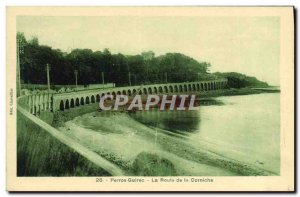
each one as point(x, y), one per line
point(203, 155)
point(206, 98)
point(170, 148)
point(237, 92)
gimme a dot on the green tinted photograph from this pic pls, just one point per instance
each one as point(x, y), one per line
point(105, 96)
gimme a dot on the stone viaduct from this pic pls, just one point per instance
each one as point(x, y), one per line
point(36, 103)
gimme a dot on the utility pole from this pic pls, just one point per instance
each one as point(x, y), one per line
point(18, 68)
point(129, 77)
point(166, 76)
point(48, 77)
point(76, 73)
point(102, 74)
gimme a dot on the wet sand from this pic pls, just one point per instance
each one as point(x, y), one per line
point(120, 139)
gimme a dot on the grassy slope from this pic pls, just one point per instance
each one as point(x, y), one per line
point(39, 154)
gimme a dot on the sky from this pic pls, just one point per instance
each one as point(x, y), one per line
point(250, 45)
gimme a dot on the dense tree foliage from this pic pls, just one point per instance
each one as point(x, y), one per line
point(238, 80)
point(144, 68)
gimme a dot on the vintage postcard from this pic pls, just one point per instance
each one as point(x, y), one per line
point(150, 99)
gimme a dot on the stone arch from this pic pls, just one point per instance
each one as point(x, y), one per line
point(114, 94)
point(67, 105)
point(97, 98)
point(160, 89)
point(165, 89)
point(198, 87)
point(118, 92)
point(61, 106)
point(124, 92)
point(211, 85)
point(129, 92)
point(171, 89)
point(176, 88)
point(134, 91)
point(155, 90)
point(145, 91)
point(37, 101)
point(82, 101)
point(77, 102)
point(38, 110)
point(185, 88)
point(27, 100)
point(72, 105)
point(35, 110)
point(205, 86)
point(180, 88)
point(87, 100)
point(41, 100)
point(202, 87)
point(46, 101)
point(194, 87)
point(208, 86)
point(149, 90)
point(140, 92)
point(50, 99)
point(190, 87)
point(92, 99)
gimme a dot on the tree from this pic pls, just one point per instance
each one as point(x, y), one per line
point(144, 68)
point(34, 41)
point(238, 80)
